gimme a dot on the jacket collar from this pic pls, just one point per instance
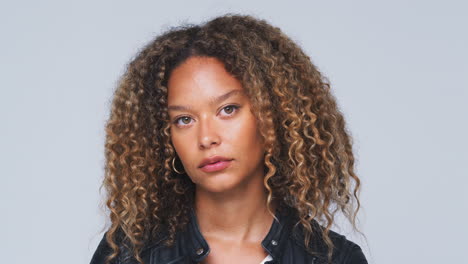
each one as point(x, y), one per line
point(274, 242)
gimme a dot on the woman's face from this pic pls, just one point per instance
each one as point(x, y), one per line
point(210, 116)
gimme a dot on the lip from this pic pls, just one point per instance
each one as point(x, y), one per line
point(212, 159)
point(220, 165)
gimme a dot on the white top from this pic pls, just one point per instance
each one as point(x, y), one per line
point(266, 259)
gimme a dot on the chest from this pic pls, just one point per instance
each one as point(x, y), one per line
point(250, 253)
point(227, 253)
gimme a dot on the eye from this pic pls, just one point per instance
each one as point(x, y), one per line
point(229, 109)
point(185, 120)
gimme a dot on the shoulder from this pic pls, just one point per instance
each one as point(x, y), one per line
point(102, 251)
point(345, 251)
point(125, 255)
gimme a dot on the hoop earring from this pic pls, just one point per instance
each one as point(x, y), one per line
point(174, 168)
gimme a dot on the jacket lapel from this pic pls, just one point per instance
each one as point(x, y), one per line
point(191, 247)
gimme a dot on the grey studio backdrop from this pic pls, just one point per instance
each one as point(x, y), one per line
point(397, 68)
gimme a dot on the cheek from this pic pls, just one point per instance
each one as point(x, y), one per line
point(174, 140)
point(248, 135)
point(179, 145)
point(185, 146)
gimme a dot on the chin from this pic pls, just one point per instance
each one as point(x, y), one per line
point(218, 184)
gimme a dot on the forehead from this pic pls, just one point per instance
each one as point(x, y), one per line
point(200, 78)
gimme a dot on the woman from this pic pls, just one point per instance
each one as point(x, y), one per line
point(225, 145)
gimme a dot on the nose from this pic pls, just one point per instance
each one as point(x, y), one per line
point(208, 135)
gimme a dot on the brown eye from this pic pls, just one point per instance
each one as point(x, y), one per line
point(230, 109)
point(185, 120)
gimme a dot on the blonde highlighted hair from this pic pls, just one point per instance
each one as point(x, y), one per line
point(308, 151)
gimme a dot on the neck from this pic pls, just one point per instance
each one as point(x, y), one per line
point(240, 215)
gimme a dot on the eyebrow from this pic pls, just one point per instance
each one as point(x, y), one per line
point(212, 101)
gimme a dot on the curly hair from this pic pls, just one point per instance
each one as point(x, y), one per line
point(307, 146)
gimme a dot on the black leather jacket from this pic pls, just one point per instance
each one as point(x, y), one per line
point(284, 242)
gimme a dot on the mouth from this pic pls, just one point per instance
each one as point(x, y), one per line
point(216, 166)
point(212, 160)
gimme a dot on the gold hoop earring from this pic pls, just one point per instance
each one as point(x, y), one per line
point(174, 168)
